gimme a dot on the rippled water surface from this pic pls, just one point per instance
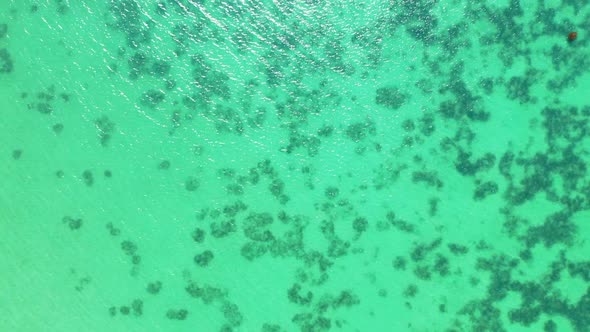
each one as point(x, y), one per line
point(272, 166)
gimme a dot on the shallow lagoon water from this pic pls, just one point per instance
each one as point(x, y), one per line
point(183, 165)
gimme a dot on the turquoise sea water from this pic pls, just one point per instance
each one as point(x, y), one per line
point(199, 165)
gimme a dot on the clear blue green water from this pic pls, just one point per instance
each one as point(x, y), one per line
point(199, 165)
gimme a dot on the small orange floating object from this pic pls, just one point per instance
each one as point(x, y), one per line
point(572, 36)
